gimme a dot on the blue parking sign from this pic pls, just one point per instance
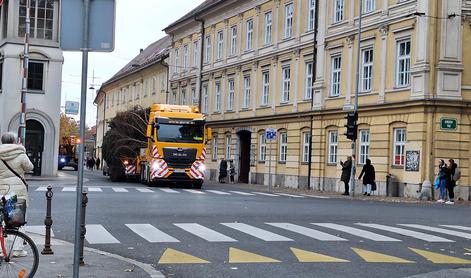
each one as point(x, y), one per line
point(270, 134)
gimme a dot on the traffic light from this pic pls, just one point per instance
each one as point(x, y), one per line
point(352, 127)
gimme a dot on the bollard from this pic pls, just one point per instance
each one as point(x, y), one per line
point(83, 230)
point(48, 222)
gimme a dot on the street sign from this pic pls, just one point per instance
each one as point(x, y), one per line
point(270, 134)
point(72, 107)
point(448, 123)
point(102, 25)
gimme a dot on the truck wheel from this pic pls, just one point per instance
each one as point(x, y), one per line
point(198, 185)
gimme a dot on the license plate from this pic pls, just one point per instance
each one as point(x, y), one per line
point(179, 170)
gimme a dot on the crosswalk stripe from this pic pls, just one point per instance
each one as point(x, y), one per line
point(414, 234)
point(356, 232)
point(218, 192)
point(69, 189)
point(97, 234)
point(463, 228)
point(193, 191)
point(41, 188)
point(94, 189)
point(290, 195)
point(438, 230)
point(37, 229)
point(119, 189)
point(204, 233)
point(242, 193)
point(315, 234)
point(144, 190)
point(266, 194)
point(150, 233)
point(256, 232)
point(168, 190)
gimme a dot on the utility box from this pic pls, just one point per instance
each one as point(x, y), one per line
point(392, 186)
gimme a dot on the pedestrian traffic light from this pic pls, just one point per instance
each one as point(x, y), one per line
point(351, 125)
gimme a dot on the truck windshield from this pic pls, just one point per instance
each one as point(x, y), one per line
point(185, 133)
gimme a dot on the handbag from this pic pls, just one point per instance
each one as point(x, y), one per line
point(16, 174)
point(437, 182)
point(373, 186)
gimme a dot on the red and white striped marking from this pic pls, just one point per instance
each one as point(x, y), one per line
point(155, 152)
point(195, 172)
point(203, 154)
point(159, 169)
point(130, 170)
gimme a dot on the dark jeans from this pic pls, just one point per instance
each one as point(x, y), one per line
point(451, 187)
point(346, 187)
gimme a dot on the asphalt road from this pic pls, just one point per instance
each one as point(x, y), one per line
point(226, 233)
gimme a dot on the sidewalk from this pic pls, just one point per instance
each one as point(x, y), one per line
point(61, 177)
point(97, 263)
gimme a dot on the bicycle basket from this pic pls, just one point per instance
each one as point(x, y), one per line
point(16, 218)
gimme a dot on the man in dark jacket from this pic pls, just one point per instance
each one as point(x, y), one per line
point(368, 174)
point(346, 173)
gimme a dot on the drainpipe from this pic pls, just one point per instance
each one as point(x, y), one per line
point(200, 74)
point(168, 80)
point(314, 61)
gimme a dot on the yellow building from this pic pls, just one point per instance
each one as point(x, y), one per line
point(142, 82)
point(257, 72)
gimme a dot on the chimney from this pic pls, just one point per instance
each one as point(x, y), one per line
point(140, 50)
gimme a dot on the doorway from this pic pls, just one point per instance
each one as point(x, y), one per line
point(244, 156)
point(34, 144)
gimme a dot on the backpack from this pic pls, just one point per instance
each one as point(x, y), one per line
point(457, 174)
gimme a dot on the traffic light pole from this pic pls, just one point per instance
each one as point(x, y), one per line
point(355, 109)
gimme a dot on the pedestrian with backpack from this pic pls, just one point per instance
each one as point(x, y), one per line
point(453, 175)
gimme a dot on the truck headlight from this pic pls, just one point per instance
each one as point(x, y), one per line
point(62, 160)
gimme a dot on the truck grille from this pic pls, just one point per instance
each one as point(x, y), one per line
point(179, 157)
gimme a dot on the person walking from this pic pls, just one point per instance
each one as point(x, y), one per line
point(442, 177)
point(231, 171)
point(450, 181)
point(368, 174)
point(222, 171)
point(97, 162)
point(346, 173)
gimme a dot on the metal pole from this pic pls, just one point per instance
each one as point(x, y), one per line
point(83, 110)
point(48, 222)
point(24, 83)
point(200, 72)
point(269, 168)
point(83, 229)
point(355, 109)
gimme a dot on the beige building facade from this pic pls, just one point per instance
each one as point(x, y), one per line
point(142, 82)
point(258, 67)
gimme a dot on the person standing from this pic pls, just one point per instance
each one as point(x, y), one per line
point(450, 181)
point(222, 171)
point(368, 174)
point(97, 162)
point(346, 173)
point(231, 171)
point(442, 177)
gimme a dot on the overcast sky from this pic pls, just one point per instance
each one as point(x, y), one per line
point(138, 24)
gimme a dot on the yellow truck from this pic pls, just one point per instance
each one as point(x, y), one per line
point(176, 147)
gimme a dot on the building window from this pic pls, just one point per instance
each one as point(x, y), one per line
point(42, 19)
point(185, 57)
point(249, 38)
point(399, 146)
point(174, 97)
point(230, 95)
point(217, 103)
point(338, 10)
point(263, 148)
point(403, 63)
point(246, 102)
point(306, 144)
point(283, 146)
point(289, 20)
point(214, 154)
point(311, 16)
point(220, 49)
point(309, 80)
point(266, 87)
point(364, 146)
point(286, 72)
point(183, 96)
point(333, 144)
point(207, 50)
point(366, 70)
point(194, 96)
point(233, 40)
point(336, 75)
point(145, 87)
point(177, 61)
point(195, 53)
point(35, 76)
point(268, 24)
point(205, 99)
point(368, 6)
point(228, 146)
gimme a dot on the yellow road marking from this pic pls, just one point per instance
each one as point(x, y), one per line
point(241, 256)
point(311, 257)
point(172, 256)
point(374, 257)
point(438, 258)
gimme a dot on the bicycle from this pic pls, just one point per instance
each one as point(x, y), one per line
point(19, 256)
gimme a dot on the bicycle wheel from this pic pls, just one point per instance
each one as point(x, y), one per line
point(22, 256)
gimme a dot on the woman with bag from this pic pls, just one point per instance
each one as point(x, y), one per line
point(368, 174)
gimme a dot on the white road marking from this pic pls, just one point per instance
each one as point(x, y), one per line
point(168, 190)
point(69, 189)
point(97, 234)
point(256, 232)
point(94, 189)
point(266, 194)
point(242, 193)
point(37, 229)
point(307, 232)
point(119, 189)
point(315, 196)
point(404, 232)
point(150, 233)
point(218, 192)
point(463, 228)
point(290, 195)
point(438, 230)
point(194, 191)
point(144, 190)
point(204, 233)
point(357, 232)
point(41, 188)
